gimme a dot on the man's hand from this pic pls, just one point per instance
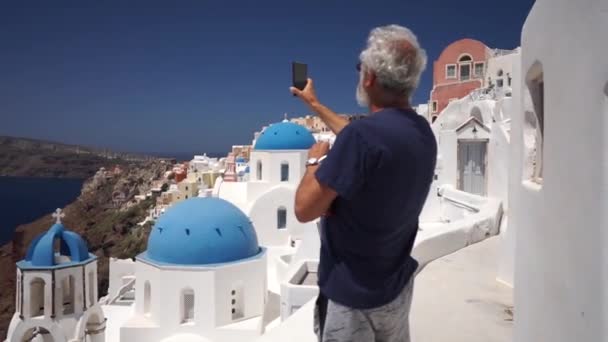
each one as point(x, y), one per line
point(318, 150)
point(307, 95)
point(312, 198)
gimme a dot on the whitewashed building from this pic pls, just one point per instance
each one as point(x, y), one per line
point(558, 177)
point(202, 278)
point(276, 165)
point(57, 290)
point(534, 154)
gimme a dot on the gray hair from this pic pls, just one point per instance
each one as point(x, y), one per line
point(395, 57)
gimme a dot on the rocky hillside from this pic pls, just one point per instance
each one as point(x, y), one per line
point(109, 226)
point(21, 157)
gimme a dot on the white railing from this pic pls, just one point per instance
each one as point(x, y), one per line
point(482, 94)
point(121, 292)
point(502, 52)
point(459, 203)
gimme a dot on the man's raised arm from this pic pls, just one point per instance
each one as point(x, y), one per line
point(334, 121)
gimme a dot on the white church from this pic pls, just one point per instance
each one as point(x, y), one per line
point(203, 276)
point(277, 164)
point(57, 290)
point(238, 266)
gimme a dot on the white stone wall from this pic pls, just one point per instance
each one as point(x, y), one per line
point(458, 111)
point(121, 270)
point(263, 214)
point(462, 227)
point(249, 280)
point(447, 160)
point(91, 291)
point(499, 152)
point(431, 209)
point(511, 110)
point(264, 158)
point(504, 63)
point(62, 324)
point(260, 199)
point(271, 170)
point(212, 288)
point(233, 192)
point(294, 294)
point(561, 240)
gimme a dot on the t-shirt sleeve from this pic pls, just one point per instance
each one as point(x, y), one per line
point(348, 163)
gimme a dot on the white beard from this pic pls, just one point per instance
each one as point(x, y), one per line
point(362, 97)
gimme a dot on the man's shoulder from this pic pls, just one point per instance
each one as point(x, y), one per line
point(390, 121)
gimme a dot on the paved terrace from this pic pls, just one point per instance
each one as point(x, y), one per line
point(456, 299)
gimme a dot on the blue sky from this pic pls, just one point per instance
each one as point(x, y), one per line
point(199, 76)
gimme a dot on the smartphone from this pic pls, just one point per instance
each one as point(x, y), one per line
point(299, 74)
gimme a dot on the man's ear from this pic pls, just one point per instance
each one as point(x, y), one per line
point(369, 80)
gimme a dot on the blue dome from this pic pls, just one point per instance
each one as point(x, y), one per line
point(41, 252)
point(285, 136)
point(202, 230)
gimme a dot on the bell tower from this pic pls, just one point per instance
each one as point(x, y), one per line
point(57, 290)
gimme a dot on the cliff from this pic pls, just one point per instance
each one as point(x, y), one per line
point(108, 223)
point(22, 157)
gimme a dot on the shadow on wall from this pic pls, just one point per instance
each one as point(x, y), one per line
point(534, 109)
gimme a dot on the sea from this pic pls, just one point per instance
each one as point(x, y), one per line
point(23, 200)
point(185, 156)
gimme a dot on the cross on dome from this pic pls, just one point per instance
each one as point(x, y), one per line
point(58, 215)
point(285, 118)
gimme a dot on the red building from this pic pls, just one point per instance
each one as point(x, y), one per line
point(180, 172)
point(459, 69)
point(230, 171)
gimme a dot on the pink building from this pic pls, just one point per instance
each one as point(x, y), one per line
point(459, 70)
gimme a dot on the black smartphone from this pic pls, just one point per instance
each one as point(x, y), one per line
point(299, 74)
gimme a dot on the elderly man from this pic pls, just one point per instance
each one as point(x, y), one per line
point(370, 189)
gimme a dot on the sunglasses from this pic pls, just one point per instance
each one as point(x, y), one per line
point(358, 66)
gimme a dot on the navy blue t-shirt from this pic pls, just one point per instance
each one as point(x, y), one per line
point(381, 166)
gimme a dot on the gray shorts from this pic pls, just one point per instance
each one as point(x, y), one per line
point(334, 322)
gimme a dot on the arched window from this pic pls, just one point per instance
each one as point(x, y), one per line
point(536, 89)
point(259, 170)
point(187, 304)
point(92, 286)
point(61, 254)
point(147, 298)
point(478, 70)
point(69, 290)
point(281, 218)
point(499, 79)
point(19, 294)
point(37, 287)
point(464, 64)
point(284, 171)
